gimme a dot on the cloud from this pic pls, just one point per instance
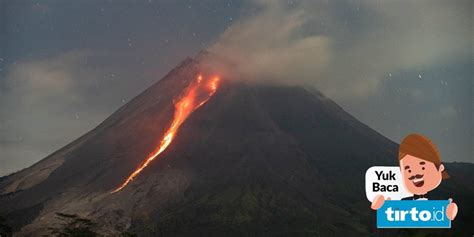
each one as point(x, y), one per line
point(446, 112)
point(41, 81)
point(344, 48)
point(45, 105)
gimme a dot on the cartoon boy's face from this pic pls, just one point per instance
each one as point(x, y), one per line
point(420, 176)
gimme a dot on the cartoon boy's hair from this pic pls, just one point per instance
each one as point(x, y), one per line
point(422, 148)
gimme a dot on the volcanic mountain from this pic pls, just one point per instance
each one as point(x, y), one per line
point(251, 159)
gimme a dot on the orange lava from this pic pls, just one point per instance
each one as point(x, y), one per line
point(197, 94)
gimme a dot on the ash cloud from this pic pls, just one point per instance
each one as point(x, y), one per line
point(270, 45)
point(345, 48)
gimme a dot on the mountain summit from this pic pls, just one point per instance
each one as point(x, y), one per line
point(254, 159)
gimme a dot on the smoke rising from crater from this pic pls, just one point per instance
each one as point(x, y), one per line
point(309, 42)
point(270, 45)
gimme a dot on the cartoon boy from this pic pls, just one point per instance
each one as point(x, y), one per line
point(421, 169)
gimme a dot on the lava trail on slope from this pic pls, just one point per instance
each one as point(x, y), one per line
point(197, 94)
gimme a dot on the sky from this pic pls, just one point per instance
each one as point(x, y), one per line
point(398, 66)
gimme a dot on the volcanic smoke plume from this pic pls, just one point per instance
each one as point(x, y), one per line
point(307, 42)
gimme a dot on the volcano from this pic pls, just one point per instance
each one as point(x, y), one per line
point(252, 160)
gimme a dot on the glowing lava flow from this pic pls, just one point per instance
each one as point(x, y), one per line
point(197, 95)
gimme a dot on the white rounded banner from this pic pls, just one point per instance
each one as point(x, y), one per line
point(385, 180)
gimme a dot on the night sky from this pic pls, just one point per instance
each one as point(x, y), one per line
point(398, 66)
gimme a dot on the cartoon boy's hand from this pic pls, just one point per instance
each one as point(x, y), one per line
point(378, 202)
point(451, 210)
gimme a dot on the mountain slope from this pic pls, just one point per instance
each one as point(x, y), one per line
point(254, 160)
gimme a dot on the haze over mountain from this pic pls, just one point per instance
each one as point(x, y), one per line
point(256, 159)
